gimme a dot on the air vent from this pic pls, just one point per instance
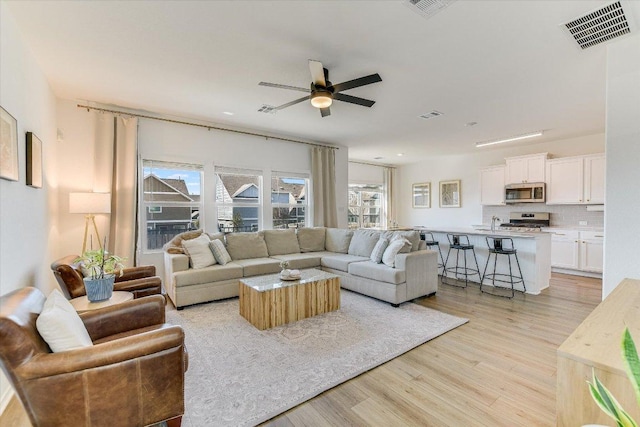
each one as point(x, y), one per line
point(269, 109)
point(427, 8)
point(430, 115)
point(599, 26)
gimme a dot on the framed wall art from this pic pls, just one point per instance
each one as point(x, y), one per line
point(8, 146)
point(421, 194)
point(450, 194)
point(34, 160)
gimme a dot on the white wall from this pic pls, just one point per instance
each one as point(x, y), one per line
point(360, 173)
point(466, 168)
point(27, 230)
point(623, 163)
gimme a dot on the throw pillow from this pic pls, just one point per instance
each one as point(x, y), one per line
point(281, 242)
point(60, 325)
point(311, 239)
point(412, 236)
point(363, 242)
point(389, 255)
point(174, 246)
point(220, 252)
point(378, 250)
point(338, 240)
point(246, 246)
point(199, 252)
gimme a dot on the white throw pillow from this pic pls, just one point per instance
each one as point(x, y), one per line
point(378, 250)
point(220, 252)
point(60, 325)
point(199, 252)
point(389, 256)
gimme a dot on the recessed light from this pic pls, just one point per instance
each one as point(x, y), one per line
point(228, 113)
point(470, 124)
point(510, 139)
point(400, 154)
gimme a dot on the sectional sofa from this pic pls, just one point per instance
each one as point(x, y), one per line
point(410, 273)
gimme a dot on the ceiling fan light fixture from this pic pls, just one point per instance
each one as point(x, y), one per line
point(321, 99)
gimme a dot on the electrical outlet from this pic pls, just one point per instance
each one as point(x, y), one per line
point(582, 222)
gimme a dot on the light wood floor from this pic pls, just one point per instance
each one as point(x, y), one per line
point(497, 370)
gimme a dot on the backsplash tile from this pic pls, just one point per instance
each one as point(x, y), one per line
point(560, 215)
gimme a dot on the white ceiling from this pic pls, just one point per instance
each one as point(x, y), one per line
point(503, 64)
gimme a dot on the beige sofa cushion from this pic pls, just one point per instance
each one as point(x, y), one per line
point(311, 239)
point(379, 272)
point(200, 254)
point(246, 246)
point(280, 242)
point(300, 261)
point(259, 266)
point(214, 273)
point(363, 242)
point(338, 240)
point(341, 261)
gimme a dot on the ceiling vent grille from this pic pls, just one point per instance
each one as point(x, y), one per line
point(430, 115)
point(427, 8)
point(269, 109)
point(599, 26)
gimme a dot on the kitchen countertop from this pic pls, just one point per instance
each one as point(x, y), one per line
point(488, 232)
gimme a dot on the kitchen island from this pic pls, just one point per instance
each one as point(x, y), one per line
point(534, 254)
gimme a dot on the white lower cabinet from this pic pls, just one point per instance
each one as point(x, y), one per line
point(577, 250)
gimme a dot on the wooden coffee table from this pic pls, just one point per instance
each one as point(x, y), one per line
point(268, 301)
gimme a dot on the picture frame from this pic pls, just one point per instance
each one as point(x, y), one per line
point(421, 195)
point(8, 146)
point(450, 194)
point(34, 161)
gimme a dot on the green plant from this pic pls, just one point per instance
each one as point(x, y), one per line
point(99, 263)
point(605, 399)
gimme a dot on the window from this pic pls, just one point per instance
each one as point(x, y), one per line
point(365, 204)
point(238, 199)
point(171, 200)
point(289, 199)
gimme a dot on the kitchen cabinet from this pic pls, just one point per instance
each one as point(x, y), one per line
point(492, 181)
point(577, 250)
point(525, 169)
point(576, 180)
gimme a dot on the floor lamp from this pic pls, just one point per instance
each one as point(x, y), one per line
point(90, 204)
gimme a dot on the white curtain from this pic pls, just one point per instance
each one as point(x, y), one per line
point(115, 171)
point(388, 206)
point(323, 175)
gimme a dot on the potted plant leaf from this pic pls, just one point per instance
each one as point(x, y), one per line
point(605, 399)
point(99, 268)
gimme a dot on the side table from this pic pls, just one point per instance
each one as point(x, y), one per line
point(82, 304)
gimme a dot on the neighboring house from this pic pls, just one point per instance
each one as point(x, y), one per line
point(163, 219)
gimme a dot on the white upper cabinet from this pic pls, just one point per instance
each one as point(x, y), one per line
point(492, 185)
point(526, 169)
point(576, 180)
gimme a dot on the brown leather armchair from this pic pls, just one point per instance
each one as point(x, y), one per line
point(141, 281)
point(133, 375)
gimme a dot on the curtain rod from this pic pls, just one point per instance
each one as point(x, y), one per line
point(208, 127)
point(381, 165)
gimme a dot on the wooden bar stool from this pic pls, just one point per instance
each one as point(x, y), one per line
point(502, 246)
point(460, 242)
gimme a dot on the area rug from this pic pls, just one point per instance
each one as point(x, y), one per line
point(240, 376)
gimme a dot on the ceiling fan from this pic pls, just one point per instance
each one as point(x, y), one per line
point(323, 92)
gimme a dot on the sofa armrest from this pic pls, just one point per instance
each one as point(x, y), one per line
point(104, 354)
point(421, 269)
point(127, 316)
point(133, 273)
point(175, 262)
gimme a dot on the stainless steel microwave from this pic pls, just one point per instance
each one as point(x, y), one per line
point(525, 193)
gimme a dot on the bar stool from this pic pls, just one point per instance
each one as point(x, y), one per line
point(460, 242)
point(429, 240)
point(502, 246)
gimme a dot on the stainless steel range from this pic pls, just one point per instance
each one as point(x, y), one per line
point(526, 221)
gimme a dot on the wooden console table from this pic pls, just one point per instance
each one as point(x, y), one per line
point(596, 344)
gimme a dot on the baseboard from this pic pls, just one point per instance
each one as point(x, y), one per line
point(576, 272)
point(6, 398)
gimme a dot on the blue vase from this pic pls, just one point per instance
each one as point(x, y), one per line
point(99, 289)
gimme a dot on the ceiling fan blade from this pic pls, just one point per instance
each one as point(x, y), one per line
point(279, 86)
point(289, 104)
point(324, 112)
point(373, 78)
point(317, 73)
point(353, 99)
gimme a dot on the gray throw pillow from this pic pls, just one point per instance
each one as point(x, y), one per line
point(281, 242)
point(311, 239)
point(378, 250)
point(363, 242)
point(246, 246)
point(338, 239)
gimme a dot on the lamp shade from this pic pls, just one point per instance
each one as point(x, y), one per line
point(90, 203)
